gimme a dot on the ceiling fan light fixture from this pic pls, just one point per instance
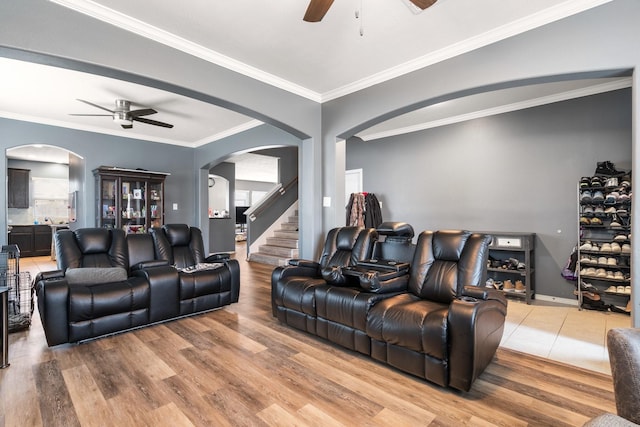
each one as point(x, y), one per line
point(121, 118)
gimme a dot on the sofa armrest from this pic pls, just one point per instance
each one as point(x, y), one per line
point(164, 291)
point(53, 303)
point(484, 293)
point(45, 275)
point(304, 263)
point(150, 264)
point(217, 257)
point(475, 328)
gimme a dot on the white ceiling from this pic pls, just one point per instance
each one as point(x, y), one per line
point(268, 41)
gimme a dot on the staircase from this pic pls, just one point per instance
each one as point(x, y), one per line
point(280, 248)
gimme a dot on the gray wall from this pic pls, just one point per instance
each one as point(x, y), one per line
point(97, 150)
point(511, 172)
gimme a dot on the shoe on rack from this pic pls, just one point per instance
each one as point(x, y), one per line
point(607, 168)
point(596, 182)
point(620, 237)
point(601, 272)
point(584, 286)
point(508, 286)
point(585, 182)
point(611, 199)
point(596, 221)
point(618, 275)
point(586, 246)
point(489, 283)
point(626, 248)
point(611, 183)
point(600, 212)
point(615, 247)
point(584, 220)
point(627, 290)
point(606, 247)
point(610, 210)
point(585, 259)
point(612, 262)
point(602, 260)
point(611, 289)
point(585, 197)
point(598, 197)
point(520, 288)
point(587, 210)
point(609, 274)
point(620, 290)
point(497, 284)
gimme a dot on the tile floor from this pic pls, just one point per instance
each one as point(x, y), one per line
point(558, 332)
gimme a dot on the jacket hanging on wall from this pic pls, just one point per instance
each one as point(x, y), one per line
point(363, 210)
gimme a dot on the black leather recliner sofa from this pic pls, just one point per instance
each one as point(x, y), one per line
point(432, 317)
point(107, 282)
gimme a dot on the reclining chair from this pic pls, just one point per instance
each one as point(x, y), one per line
point(292, 286)
point(205, 282)
point(624, 356)
point(447, 327)
point(90, 294)
point(342, 310)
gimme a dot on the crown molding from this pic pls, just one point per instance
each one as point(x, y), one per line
point(229, 132)
point(546, 16)
point(536, 102)
point(127, 23)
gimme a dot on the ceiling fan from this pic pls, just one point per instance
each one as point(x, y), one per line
point(124, 116)
point(318, 8)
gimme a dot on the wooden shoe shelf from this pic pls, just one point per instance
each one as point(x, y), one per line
point(518, 246)
point(604, 249)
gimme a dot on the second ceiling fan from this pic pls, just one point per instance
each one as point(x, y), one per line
point(318, 8)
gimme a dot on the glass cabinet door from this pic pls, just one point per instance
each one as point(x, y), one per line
point(155, 204)
point(108, 203)
point(134, 208)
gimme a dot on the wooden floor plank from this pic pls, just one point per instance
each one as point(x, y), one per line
point(239, 366)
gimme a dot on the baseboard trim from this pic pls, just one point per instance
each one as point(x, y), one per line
point(558, 300)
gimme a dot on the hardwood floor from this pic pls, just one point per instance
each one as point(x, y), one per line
point(238, 366)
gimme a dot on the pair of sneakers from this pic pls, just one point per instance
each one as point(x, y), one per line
point(509, 286)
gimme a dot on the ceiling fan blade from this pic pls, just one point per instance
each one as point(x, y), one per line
point(316, 10)
point(423, 4)
point(95, 105)
point(152, 122)
point(144, 112)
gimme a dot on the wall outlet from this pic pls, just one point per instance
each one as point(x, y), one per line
point(175, 206)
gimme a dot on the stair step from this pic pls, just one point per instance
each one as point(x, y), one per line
point(285, 243)
point(278, 251)
point(283, 234)
point(267, 259)
point(289, 226)
point(293, 219)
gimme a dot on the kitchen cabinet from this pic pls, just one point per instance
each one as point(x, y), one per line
point(32, 240)
point(18, 186)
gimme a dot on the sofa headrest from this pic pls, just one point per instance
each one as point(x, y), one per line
point(177, 234)
point(396, 230)
point(93, 240)
point(346, 238)
point(448, 244)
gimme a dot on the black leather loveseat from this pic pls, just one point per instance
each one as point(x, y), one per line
point(107, 282)
point(431, 317)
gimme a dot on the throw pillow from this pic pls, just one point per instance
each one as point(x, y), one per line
point(90, 275)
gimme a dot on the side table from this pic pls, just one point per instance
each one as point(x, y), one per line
point(4, 327)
